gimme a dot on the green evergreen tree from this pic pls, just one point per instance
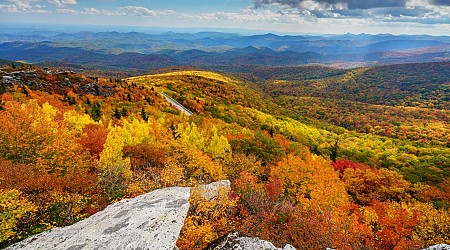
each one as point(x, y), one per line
point(143, 114)
point(96, 111)
point(117, 113)
point(124, 112)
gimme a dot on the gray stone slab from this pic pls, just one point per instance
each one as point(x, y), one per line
point(149, 221)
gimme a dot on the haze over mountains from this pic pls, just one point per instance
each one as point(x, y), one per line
point(143, 52)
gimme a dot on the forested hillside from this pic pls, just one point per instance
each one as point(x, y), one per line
point(419, 85)
point(314, 173)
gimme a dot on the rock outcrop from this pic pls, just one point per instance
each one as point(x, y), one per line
point(439, 247)
point(234, 241)
point(149, 221)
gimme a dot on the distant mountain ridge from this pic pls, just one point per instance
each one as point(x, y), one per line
point(142, 52)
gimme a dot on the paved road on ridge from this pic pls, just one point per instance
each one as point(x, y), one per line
point(176, 104)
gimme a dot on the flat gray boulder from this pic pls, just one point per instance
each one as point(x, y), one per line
point(149, 221)
point(234, 241)
point(439, 247)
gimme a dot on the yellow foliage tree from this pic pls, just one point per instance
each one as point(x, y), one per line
point(218, 148)
point(31, 134)
point(114, 170)
point(13, 209)
point(76, 121)
point(191, 135)
point(199, 167)
point(135, 131)
point(25, 131)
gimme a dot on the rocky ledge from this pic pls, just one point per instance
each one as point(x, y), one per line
point(149, 221)
point(439, 247)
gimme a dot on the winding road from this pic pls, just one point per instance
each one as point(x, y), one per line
point(176, 104)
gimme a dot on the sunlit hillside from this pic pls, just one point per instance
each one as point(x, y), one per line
point(314, 173)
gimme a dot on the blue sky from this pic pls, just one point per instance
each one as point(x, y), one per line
point(281, 16)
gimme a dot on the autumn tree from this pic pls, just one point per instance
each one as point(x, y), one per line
point(219, 148)
point(93, 138)
point(114, 169)
point(32, 134)
point(261, 145)
point(190, 134)
point(24, 131)
point(14, 210)
point(393, 224)
point(367, 184)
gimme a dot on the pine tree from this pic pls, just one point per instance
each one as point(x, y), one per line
point(96, 112)
point(143, 114)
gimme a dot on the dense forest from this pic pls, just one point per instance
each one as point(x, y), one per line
point(314, 161)
point(417, 85)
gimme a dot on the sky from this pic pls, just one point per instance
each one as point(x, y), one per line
point(430, 17)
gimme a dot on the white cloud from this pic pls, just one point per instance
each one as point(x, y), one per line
point(67, 11)
point(333, 22)
point(22, 4)
point(17, 6)
point(425, 11)
point(42, 11)
point(251, 15)
point(8, 8)
point(136, 11)
point(91, 11)
point(62, 3)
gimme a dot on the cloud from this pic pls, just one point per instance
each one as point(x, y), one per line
point(91, 11)
point(250, 15)
point(61, 3)
point(423, 11)
point(8, 8)
point(17, 6)
point(350, 4)
point(120, 11)
point(137, 11)
point(32, 6)
point(67, 11)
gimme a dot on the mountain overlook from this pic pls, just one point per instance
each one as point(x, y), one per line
point(305, 170)
point(228, 124)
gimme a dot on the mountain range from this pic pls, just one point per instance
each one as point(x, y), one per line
point(142, 52)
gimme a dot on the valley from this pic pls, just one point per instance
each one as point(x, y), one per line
point(360, 156)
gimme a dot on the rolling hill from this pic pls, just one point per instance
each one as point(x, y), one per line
point(298, 164)
point(420, 85)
